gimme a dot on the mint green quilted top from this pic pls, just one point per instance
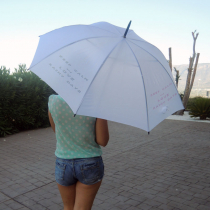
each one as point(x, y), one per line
point(75, 135)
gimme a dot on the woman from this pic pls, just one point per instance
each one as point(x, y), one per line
point(79, 167)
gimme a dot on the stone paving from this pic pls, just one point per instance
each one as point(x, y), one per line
point(166, 170)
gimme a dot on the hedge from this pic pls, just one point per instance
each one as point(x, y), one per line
point(23, 101)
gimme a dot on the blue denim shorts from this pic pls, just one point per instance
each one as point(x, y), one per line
point(86, 170)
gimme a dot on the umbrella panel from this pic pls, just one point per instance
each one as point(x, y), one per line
point(161, 93)
point(71, 70)
point(57, 39)
point(117, 92)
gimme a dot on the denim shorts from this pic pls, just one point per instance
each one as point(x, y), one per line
point(86, 170)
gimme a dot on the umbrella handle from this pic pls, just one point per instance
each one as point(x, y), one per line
point(126, 31)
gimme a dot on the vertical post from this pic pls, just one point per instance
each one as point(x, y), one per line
point(177, 78)
point(170, 58)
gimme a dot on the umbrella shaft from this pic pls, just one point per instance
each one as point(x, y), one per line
point(126, 31)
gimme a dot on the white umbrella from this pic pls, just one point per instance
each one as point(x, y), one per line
point(108, 72)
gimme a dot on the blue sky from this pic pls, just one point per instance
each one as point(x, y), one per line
point(164, 23)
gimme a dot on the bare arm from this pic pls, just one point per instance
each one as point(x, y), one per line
point(51, 121)
point(102, 132)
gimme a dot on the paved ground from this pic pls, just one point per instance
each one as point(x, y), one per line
point(169, 169)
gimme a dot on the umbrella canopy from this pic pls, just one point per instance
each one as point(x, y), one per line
point(104, 71)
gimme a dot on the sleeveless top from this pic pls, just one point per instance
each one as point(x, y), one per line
point(75, 135)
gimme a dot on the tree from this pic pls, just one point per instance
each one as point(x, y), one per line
point(190, 78)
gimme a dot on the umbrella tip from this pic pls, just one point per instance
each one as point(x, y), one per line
point(126, 31)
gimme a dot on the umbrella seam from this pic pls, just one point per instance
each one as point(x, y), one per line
point(119, 31)
point(116, 27)
point(130, 30)
point(103, 29)
point(138, 40)
point(159, 63)
point(97, 73)
point(147, 43)
point(143, 83)
point(106, 30)
point(67, 46)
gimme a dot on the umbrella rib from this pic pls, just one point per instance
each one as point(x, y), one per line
point(118, 31)
point(143, 84)
point(130, 30)
point(145, 42)
point(104, 29)
point(97, 73)
point(139, 40)
point(69, 45)
point(158, 62)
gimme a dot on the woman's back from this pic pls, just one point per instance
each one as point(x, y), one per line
point(75, 135)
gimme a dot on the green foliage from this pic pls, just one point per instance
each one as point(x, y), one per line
point(23, 101)
point(199, 107)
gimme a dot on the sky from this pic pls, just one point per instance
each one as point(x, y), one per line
point(163, 23)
